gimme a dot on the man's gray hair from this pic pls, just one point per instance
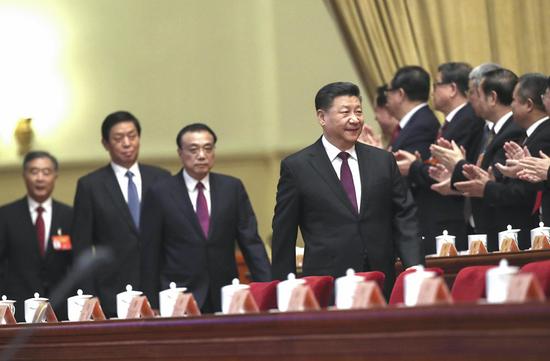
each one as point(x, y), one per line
point(479, 71)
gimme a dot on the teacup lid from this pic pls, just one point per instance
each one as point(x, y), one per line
point(5, 299)
point(503, 268)
point(509, 229)
point(446, 236)
point(420, 272)
point(541, 227)
point(291, 279)
point(173, 289)
point(130, 290)
point(351, 276)
point(80, 294)
point(37, 298)
point(236, 285)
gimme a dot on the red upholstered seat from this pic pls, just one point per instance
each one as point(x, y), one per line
point(469, 284)
point(397, 293)
point(377, 276)
point(265, 294)
point(541, 270)
point(322, 287)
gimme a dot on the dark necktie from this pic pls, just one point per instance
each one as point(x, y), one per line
point(133, 199)
point(347, 179)
point(40, 230)
point(395, 134)
point(202, 209)
point(442, 129)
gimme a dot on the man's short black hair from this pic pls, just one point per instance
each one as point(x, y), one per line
point(195, 127)
point(457, 73)
point(502, 82)
point(118, 117)
point(325, 96)
point(35, 154)
point(532, 86)
point(381, 99)
point(415, 82)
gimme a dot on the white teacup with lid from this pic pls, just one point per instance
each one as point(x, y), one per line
point(167, 299)
point(508, 233)
point(75, 305)
point(228, 291)
point(9, 303)
point(345, 289)
point(541, 230)
point(284, 291)
point(445, 237)
point(477, 237)
point(123, 300)
point(497, 281)
point(31, 305)
point(412, 282)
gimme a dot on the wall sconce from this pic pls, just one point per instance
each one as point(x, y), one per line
point(24, 135)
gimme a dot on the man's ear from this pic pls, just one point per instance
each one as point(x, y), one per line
point(321, 117)
point(530, 104)
point(105, 144)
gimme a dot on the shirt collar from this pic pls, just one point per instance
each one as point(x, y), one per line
point(47, 204)
point(333, 152)
point(403, 122)
point(453, 112)
point(121, 171)
point(191, 183)
point(535, 125)
point(500, 123)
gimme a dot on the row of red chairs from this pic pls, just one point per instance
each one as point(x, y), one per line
point(469, 285)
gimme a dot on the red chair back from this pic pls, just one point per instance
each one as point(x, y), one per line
point(541, 270)
point(469, 284)
point(377, 276)
point(322, 287)
point(265, 294)
point(397, 293)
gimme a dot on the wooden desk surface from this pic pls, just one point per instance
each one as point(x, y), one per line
point(459, 332)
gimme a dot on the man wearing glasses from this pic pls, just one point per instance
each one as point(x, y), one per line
point(107, 208)
point(33, 261)
point(190, 223)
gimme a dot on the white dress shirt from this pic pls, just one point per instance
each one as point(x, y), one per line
point(403, 122)
point(336, 162)
point(191, 184)
point(500, 123)
point(534, 126)
point(120, 173)
point(452, 113)
point(46, 216)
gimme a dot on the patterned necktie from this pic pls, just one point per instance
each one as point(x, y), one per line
point(347, 179)
point(133, 199)
point(202, 209)
point(40, 230)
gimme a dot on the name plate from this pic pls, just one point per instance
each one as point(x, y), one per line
point(6, 316)
point(302, 299)
point(541, 242)
point(140, 308)
point(509, 245)
point(44, 313)
point(448, 250)
point(92, 311)
point(434, 291)
point(368, 295)
point(477, 247)
point(524, 287)
point(243, 302)
point(186, 305)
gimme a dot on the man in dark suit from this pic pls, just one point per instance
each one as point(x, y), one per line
point(107, 208)
point(351, 204)
point(495, 97)
point(32, 260)
point(418, 128)
point(191, 222)
point(446, 210)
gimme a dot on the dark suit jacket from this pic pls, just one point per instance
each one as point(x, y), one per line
point(310, 196)
point(25, 270)
point(440, 212)
point(487, 219)
point(102, 218)
point(176, 250)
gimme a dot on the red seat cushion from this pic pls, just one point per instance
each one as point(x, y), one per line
point(469, 284)
point(397, 293)
point(377, 276)
point(541, 270)
point(265, 294)
point(322, 287)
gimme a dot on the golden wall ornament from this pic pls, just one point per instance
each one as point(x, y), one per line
point(24, 135)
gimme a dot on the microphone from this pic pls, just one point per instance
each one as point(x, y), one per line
point(86, 263)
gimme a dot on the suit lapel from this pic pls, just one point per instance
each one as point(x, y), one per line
point(365, 167)
point(112, 188)
point(28, 230)
point(320, 162)
point(183, 202)
point(215, 201)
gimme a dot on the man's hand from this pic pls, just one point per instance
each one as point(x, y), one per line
point(439, 173)
point(478, 179)
point(513, 150)
point(511, 168)
point(534, 169)
point(444, 188)
point(368, 137)
point(448, 157)
point(405, 159)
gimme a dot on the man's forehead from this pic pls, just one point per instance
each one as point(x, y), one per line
point(346, 100)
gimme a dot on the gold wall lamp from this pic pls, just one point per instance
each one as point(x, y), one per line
point(24, 135)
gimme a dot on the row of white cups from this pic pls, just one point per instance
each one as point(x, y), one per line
point(510, 233)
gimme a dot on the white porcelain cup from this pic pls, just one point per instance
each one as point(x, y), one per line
point(508, 233)
point(498, 280)
point(412, 282)
point(228, 292)
point(31, 305)
point(345, 289)
point(9, 303)
point(541, 230)
point(284, 291)
point(477, 237)
point(75, 305)
point(123, 300)
point(439, 240)
point(167, 299)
